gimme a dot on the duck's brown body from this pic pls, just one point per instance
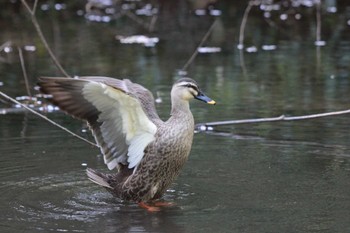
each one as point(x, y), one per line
point(162, 163)
point(147, 152)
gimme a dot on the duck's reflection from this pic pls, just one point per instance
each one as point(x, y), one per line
point(134, 219)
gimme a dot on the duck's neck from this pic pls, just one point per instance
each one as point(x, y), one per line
point(179, 106)
point(180, 111)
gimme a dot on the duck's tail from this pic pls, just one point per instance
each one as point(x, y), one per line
point(98, 178)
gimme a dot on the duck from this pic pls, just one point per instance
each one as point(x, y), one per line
point(146, 152)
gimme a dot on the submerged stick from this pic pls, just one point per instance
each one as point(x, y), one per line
point(271, 119)
point(42, 37)
point(45, 118)
point(20, 53)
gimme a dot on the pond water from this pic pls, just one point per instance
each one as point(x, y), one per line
point(265, 177)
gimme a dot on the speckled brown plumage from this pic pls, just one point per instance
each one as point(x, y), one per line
point(147, 152)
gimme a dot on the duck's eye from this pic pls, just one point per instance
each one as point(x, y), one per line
point(191, 86)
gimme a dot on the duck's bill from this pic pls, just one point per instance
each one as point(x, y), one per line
point(204, 98)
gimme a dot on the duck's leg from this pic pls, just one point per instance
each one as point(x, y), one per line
point(154, 207)
point(149, 207)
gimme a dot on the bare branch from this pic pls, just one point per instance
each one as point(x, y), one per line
point(280, 118)
point(28, 7)
point(244, 22)
point(42, 37)
point(152, 23)
point(34, 7)
point(31, 11)
point(45, 118)
point(241, 37)
point(205, 37)
point(318, 21)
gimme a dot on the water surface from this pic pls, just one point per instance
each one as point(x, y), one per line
point(267, 177)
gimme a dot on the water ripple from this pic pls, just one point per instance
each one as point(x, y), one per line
point(68, 197)
point(37, 198)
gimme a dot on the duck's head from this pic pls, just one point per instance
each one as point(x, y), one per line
point(187, 89)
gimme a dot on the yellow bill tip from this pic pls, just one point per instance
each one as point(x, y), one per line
point(211, 102)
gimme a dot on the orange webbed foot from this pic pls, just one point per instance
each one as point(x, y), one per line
point(155, 206)
point(149, 207)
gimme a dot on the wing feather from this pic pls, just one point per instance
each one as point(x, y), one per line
point(122, 123)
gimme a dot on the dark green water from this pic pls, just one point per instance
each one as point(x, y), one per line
point(267, 177)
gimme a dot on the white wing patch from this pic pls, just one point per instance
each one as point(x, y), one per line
point(125, 127)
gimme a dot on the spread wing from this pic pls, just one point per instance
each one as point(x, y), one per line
point(121, 114)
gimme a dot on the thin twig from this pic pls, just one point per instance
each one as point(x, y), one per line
point(271, 119)
point(42, 37)
point(318, 21)
point(27, 6)
point(45, 118)
point(241, 37)
point(34, 7)
point(205, 37)
point(152, 23)
point(20, 53)
point(243, 24)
